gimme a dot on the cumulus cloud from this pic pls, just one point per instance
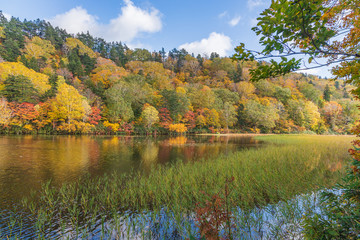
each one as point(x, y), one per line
point(255, 3)
point(216, 42)
point(131, 22)
point(235, 21)
point(76, 20)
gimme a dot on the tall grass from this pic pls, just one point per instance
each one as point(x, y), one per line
point(285, 167)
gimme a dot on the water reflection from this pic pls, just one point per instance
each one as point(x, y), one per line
point(28, 161)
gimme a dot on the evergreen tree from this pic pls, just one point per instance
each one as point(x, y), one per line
point(327, 93)
point(19, 89)
point(75, 65)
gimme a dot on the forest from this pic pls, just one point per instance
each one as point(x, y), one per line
point(52, 82)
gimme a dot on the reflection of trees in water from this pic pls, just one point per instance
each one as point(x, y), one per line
point(148, 154)
point(179, 140)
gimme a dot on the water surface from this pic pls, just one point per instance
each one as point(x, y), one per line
point(26, 162)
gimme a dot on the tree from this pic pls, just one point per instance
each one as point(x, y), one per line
point(69, 105)
point(5, 113)
point(261, 115)
point(228, 115)
point(19, 89)
point(177, 102)
point(327, 93)
point(149, 116)
point(118, 105)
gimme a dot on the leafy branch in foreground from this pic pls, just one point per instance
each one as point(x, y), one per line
point(306, 28)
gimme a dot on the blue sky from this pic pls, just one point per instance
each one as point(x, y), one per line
point(199, 26)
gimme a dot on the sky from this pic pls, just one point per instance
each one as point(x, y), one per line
point(199, 26)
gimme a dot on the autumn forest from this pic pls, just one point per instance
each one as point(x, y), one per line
point(52, 82)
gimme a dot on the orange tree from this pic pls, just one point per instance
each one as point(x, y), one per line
point(325, 32)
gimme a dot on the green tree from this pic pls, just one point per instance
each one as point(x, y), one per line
point(327, 93)
point(176, 102)
point(261, 115)
point(228, 115)
point(19, 89)
point(118, 105)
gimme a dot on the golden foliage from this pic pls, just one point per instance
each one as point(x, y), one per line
point(178, 128)
point(5, 112)
point(107, 72)
point(73, 43)
point(37, 48)
point(39, 80)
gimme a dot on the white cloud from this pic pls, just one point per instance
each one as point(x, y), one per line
point(76, 20)
point(255, 3)
point(223, 14)
point(216, 42)
point(235, 21)
point(7, 16)
point(131, 22)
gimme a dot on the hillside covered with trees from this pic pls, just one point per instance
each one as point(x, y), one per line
point(54, 82)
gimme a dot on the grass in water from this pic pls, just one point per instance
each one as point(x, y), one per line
point(285, 167)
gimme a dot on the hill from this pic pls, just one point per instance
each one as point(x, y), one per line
point(52, 82)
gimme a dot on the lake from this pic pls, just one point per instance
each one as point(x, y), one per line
point(271, 174)
point(28, 161)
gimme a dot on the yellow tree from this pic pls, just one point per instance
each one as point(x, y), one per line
point(245, 89)
point(72, 43)
point(149, 116)
point(37, 48)
point(107, 72)
point(69, 105)
point(5, 113)
point(312, 116)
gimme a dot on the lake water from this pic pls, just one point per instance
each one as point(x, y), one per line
point(281, 163)
point(26, 162)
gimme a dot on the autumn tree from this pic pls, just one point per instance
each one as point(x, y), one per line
point(106, 73)
point(177, 102)
point(5, 113)
point(69, 105)
point(149, 116)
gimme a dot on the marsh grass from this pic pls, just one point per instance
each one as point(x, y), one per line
point(162, 202)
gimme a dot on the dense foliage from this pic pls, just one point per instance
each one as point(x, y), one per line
point(54, 82)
